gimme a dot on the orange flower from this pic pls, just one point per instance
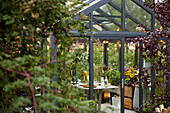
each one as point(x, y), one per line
point(137, 77)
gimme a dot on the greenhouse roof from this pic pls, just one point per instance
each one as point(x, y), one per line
point(107, 15)
point(117, 20)
point(93, 5)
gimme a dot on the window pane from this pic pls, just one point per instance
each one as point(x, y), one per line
point(106, 18)
point(136, 15)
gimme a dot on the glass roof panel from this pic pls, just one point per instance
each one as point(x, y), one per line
point(157, 25)
point(132, 26)
point(102, 23)
point(106, 18)
point(106, 27)
point(136, 15)
point(114, 13)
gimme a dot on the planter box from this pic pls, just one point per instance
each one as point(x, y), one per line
point(128, 95)
point(129, 103)
point(129, 90)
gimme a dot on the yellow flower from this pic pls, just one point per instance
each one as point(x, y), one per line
point(132, 75)
point(127, 79)
point(131, 68)
point(129, 71)
point(126, 73)
point(83, 73)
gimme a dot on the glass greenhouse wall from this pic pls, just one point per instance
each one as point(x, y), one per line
point(117, 20)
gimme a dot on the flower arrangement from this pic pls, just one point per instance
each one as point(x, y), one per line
point(84, 76)
point(131, 75)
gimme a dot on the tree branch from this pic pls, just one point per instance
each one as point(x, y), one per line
point(74, 109)
point(29, 82)
point(17, 72)
point(33, 95)
point(49, 63)
point(31, 88)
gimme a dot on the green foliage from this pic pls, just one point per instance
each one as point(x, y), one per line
point(113, 61)
point(115, 77)
point(24, 25)
point(98, 61)
point(146, 107)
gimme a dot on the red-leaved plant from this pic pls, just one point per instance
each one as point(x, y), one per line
point(156, 47)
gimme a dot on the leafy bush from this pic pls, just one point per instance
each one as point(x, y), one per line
point(115, 77)
point(27, 71)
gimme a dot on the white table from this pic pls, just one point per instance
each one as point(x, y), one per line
point(100, 88)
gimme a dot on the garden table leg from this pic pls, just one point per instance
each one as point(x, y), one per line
point(100, 99)
point(95, 98)
point(87, 93)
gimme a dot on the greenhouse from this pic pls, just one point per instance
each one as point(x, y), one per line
point(91, 56)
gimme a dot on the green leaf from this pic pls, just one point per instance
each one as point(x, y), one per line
point(5, 17)
point(16, 84)
point(37, 69)
point(10, 21)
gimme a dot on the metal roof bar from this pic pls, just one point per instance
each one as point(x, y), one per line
point(106, 28)
point(91, 67)
point(111, 34)
point(94, 5)
point(89, 1)
point(107, 16)
point(103, 26)
point(120, 34)
point(141, 4)
point(108, 38)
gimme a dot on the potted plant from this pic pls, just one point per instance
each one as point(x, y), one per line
point(131, 78)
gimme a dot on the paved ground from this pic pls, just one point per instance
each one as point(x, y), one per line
point(107, 108)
